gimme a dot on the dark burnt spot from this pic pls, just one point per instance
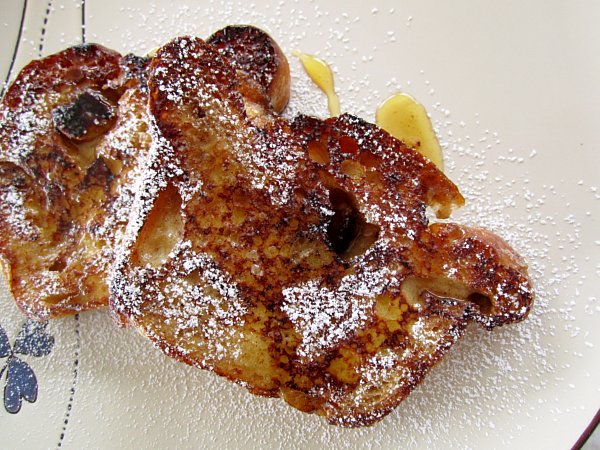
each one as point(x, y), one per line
point(12, 175)
point(98, 174)
point(199, 112)
point(58, 266)
point(248, 49)
point(344, 224)
point(136, 69)
point(482, 302)
point(84, 49)
point(348, 232)
point(90, 115)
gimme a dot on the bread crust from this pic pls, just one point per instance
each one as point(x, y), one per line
point(73, 141)
point(258, 60)
point(300, 261)
point(63, 162)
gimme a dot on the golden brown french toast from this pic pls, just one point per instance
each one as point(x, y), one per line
point(296, 259)
point(73, 133)
point(70, 133)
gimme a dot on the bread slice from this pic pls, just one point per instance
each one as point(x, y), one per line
point(73, 140)
point(71, 132)
point(297, 259)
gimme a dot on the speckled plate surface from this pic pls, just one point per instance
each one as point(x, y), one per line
point(512, 89)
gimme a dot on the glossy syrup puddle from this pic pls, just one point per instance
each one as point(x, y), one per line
point(400, 115)
point(407, 120)
point(321, 74)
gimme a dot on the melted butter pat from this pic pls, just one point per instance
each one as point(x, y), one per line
point(407, 120)
point(321, 74)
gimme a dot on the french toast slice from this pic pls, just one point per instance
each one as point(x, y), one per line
point(73, 133)
point(70, 134)
point(296, 259)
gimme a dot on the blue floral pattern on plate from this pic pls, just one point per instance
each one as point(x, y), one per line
point(21, 382)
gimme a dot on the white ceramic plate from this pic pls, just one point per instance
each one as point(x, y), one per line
point(512, 88)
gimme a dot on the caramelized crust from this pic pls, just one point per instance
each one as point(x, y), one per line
point(297, 258)
point(70, 133)
point(73, 136)
point(259, 61)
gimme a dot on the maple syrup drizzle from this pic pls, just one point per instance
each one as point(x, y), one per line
point(407, 120)
point(400, 115)
point(321, 74)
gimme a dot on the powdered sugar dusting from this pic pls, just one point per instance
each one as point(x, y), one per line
point(30, 124)
point(184, 301)
point(12, 209)
point(68, 205)
point(492, 387)
point(505, 350)
point(193, 90)
point(324, 317)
